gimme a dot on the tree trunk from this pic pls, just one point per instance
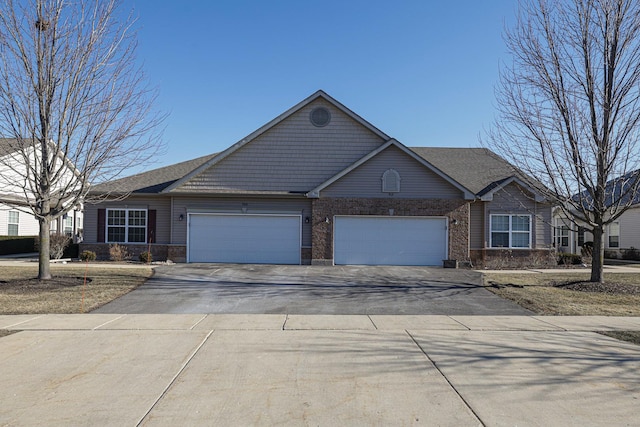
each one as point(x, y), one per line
point(44, 266)
point(597, 263)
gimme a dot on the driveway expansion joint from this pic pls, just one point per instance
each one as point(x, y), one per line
point(453, 387)
point(175, 377)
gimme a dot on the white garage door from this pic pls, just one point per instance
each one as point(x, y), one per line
point(251, 239)
point(365, 240)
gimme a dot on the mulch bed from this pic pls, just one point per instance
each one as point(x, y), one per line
point(35, 285)
point(605, 288)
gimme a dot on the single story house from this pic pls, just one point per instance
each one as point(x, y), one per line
point(321, 185)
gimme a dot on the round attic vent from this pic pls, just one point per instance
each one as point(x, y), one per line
point(320, 117)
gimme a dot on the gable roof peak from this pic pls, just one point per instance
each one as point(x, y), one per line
point(279, 119)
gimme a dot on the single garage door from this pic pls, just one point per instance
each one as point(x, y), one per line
point(249, 239)
point(367, 240)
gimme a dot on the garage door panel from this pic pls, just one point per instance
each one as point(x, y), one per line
point(390, 240)
point(260, 239)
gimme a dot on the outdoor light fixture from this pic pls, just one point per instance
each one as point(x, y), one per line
point(454, 221)
point(306, 220)
point(181, 217)
point(326, 220)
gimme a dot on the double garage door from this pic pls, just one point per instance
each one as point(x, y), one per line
point(367, 240)
point(250, 239)
point(276, 239)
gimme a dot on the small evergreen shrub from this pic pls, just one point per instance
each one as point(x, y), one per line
point(145, 257)
point(88, 256)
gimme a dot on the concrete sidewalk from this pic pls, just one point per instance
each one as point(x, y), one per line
point(191, 369)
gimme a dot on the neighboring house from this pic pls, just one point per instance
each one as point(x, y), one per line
point(16, 218)
point(622, 234)
point(320, 185)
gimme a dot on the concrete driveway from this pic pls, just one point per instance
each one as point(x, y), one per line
point(276, 289)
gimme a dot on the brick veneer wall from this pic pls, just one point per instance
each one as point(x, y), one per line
point(513, 258)
point(175, 253)
point(453, 209)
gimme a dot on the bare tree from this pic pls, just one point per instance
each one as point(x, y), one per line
point(569, 111)
point(73, 101)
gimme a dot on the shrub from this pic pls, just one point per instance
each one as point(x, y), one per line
point(117, 252)
point(569, 259)
point(17, 245)
point(88, 256)
point(611, 254)
point(57, 245)
point(631, 254)
point(145, 257)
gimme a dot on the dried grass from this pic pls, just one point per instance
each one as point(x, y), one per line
point(21, 293)
point(552, 294)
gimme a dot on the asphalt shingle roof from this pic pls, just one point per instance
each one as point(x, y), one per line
point(153, 181)
point(477, 169)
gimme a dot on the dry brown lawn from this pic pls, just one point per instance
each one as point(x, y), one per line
point(569, 293)
point(22, 293)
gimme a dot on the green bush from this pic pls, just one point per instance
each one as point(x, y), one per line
point(88, 256)
point(145, 257)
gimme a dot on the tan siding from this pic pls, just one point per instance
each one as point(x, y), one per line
point(182, 205)
point(162, 205)
point(476, 225)
point(292, 156)
point(514, 200)
point(416, 180)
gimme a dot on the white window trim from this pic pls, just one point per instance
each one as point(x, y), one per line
point(610, 235)
point(393, 186)
point(16, 223)
point(510, 231)
point(126, 224)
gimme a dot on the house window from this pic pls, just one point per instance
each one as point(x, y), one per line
point(67, 225)
point(12, 223)
point(126, 225)
point(391, 181)
point(510, 231)
point(563, 236)
point(580, 236)
point(614, 235)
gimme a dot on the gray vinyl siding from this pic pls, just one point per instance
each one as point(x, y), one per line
point(515, 200)
point(416, 181)
point(476, 225)
point(630, 229)
point(162, 205)
point(293, 155)
point(182, 205)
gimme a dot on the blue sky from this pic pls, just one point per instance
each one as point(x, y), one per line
point(422, 71)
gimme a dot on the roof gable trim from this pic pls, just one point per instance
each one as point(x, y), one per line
point(487, 196)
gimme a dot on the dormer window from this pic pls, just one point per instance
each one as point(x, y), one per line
point(391, 181)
